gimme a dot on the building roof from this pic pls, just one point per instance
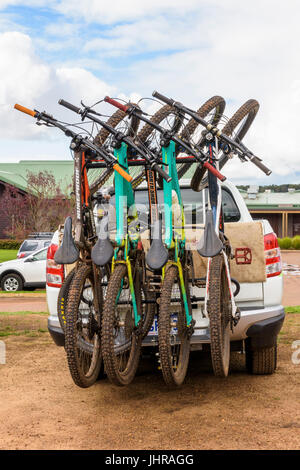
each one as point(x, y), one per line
point(62, 170)
point(15, 174)
point(271, 200)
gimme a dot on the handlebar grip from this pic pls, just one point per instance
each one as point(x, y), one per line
point(214, 171)
point(116, 104)
point(70, 106)
point(25, 110)
point(162, 173)
point(123, 173)
point(163, 98)
point(257, 161)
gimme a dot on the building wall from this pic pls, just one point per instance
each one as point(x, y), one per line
point(275, 221)
point(3, 218)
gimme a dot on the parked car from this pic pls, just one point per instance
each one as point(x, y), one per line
point(262, 314)
point(29, 272)
point(34, 242)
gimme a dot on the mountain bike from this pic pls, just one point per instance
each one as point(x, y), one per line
point(81, 296)
point(219, 305)
point(175, 323)
point(126, 311)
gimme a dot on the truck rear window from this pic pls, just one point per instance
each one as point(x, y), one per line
point(193, 204)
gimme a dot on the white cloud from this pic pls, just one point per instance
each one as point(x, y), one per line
point(239, 50)
point(120, 10)
point(29, 81)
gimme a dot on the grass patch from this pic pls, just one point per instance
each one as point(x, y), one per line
point(30, 333)
point(19, 292)
point(295, 309)
point(7, 255)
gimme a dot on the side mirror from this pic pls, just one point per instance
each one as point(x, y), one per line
point(29, 260)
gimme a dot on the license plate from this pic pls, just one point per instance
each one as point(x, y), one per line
point(154, 328)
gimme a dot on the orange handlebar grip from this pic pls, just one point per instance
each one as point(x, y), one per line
point(123, 173)
point(25, 110)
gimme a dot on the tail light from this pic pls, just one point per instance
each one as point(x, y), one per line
point(21, 255)
point(54, 272)
point(272, 255)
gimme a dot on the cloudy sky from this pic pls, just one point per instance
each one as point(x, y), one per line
point(189, 50)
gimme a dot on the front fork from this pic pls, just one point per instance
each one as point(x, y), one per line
point(126, 260)
point(177, 263)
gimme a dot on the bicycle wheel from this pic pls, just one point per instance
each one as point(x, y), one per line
point(168, 118)
point(213, 109)
point(82, 339)
point(62, 299)
point(148, 310)
point(174, 347)
point(237, 127)
point(115, 119)
point(219, 316)
point(121, 342)
point(164, 113)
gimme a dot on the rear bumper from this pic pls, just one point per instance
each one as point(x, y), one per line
point(263, 334)
point(261, 325)
point(56, 333)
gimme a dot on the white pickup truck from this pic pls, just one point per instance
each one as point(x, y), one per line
point(262, 314)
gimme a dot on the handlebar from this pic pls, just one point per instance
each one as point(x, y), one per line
point(163, 98)
point(25, 110)
point(215, 131)
point(79, 140)
point(122, 172)
point(115, 103)
point(70, 106)
point(176, 139)
point(118, 134)
point(214, 171)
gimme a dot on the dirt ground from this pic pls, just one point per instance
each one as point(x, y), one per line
point(41, 408)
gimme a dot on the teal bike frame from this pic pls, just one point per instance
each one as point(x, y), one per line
point(174, 236)
point(124, 196)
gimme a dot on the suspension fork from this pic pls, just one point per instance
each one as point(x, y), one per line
point(177, 263)
point(127, 262)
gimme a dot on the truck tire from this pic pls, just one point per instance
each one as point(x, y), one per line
point(261, 361)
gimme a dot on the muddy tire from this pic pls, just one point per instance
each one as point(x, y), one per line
point(174, 358)
point(215, 104)
point(261, 361)
point(121, 344)
point(163, 113)
point(237, 127)
point(82, 339)
point(113, 121)
point(218, 311)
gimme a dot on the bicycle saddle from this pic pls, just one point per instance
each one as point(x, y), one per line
point(68, 252)
point(157, 255)
point(210, 244)
point(102, 251)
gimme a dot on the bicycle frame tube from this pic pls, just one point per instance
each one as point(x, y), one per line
point(169, 164)
point(174, 236)
point(78, 194)
point(123, 194)
point(125, 200)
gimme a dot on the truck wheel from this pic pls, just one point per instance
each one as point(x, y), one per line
point(261, 361)
point(12, 282)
